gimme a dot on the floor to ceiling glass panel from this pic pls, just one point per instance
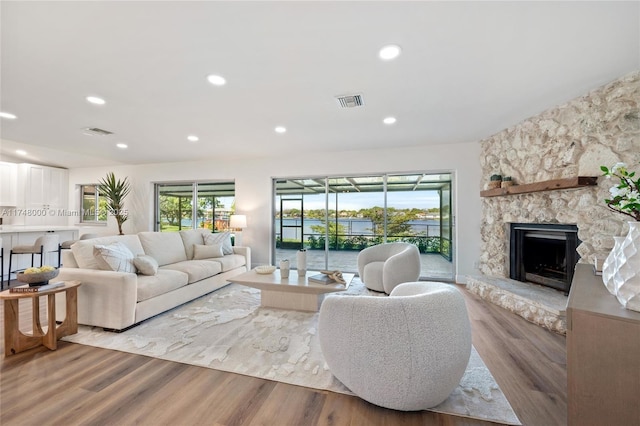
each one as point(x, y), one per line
point(415, 214)
point(356, 207)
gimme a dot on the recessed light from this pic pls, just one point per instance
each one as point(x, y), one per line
point(21, 152)
point(216, 80)
point(280, 129)
point(389, 120)
point(122, 145)
point(96, 100)
point(193, 138)
point(389, 52)
point(8, 115)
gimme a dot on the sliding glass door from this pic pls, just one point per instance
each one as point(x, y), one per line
point(176, 209)
point(356, 218)
point(336, 217)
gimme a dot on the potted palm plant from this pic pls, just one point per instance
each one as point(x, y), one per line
point(114, 191)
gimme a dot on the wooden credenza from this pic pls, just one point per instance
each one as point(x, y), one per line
point(603, 355)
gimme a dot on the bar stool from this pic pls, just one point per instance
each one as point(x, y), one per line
point(43, 245)
point(67, 244)
point(1, 265)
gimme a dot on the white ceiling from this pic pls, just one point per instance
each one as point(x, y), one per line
point(467, 71)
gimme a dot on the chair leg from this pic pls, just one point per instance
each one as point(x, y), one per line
point(1, 268)
point(41, 256)
point(59, 255)
point(9, 274)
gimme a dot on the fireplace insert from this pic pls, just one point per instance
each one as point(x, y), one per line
point(543, 253)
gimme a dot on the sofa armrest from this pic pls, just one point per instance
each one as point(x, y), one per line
point(246, 252)
point(105, 298)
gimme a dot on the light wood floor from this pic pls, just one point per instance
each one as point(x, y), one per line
point(82, 385)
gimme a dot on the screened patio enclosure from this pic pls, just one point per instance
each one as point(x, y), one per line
point(333, 218)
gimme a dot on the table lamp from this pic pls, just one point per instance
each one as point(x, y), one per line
point(237, 222)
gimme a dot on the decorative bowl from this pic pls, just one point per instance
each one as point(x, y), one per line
point(38, 279)
point(265, 269)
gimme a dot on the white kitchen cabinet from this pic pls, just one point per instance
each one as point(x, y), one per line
point(8, 184)
point(42, 193)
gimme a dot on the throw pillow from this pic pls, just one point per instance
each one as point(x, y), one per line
point(145, 264)
point(207, 251)
point(223, 238)
point(114, 257)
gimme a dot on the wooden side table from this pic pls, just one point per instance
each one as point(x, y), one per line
point(15, 341)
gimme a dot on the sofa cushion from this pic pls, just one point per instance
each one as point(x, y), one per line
point(201, 251)
point(196, 269)
point(145, 264)
point(223, 238)
point(191, 237)
point(83, 250)
point(164, 281)
point(230, 262)
point(114, 257)
point(165, 247)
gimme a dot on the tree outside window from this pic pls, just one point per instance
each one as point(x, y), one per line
point(94, 207)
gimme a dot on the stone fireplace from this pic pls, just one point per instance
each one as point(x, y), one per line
point(575, 139)
point(570, 141)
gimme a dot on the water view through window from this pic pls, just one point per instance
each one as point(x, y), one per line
point(336, 217)
point(175, 209)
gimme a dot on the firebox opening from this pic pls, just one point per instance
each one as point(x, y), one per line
point(544, 254)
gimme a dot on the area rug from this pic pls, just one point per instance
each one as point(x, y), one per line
point(228, 330)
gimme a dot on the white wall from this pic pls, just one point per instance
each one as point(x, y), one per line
point(254, 194)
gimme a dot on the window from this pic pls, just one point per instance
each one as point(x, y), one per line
point(176, 210)
point(336, 217)
point(94, 208)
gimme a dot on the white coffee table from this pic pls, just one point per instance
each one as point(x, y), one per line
point(295, 292)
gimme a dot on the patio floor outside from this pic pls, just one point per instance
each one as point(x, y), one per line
point(433, 265)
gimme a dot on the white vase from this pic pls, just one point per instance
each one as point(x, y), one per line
point(284, 268)
point(301, 262)
point(610, 265)
point(627, 278)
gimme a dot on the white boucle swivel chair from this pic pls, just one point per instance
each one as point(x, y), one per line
point(406, 352)
point(384, 266)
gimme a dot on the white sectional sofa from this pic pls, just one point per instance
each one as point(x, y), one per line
point(188, 266)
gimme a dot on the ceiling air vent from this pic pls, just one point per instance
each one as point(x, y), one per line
point(95, 131)
point(350, 101)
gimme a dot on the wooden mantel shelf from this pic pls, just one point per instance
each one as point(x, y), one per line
point(547, 185)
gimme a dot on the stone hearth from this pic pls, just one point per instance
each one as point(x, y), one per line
point(537, 304)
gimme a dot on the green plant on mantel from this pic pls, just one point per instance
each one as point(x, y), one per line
point(495, 177)
point(625, 195)
point(115, 191)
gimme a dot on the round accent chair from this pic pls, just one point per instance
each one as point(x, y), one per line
point(384, 266)
point(406, 352)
